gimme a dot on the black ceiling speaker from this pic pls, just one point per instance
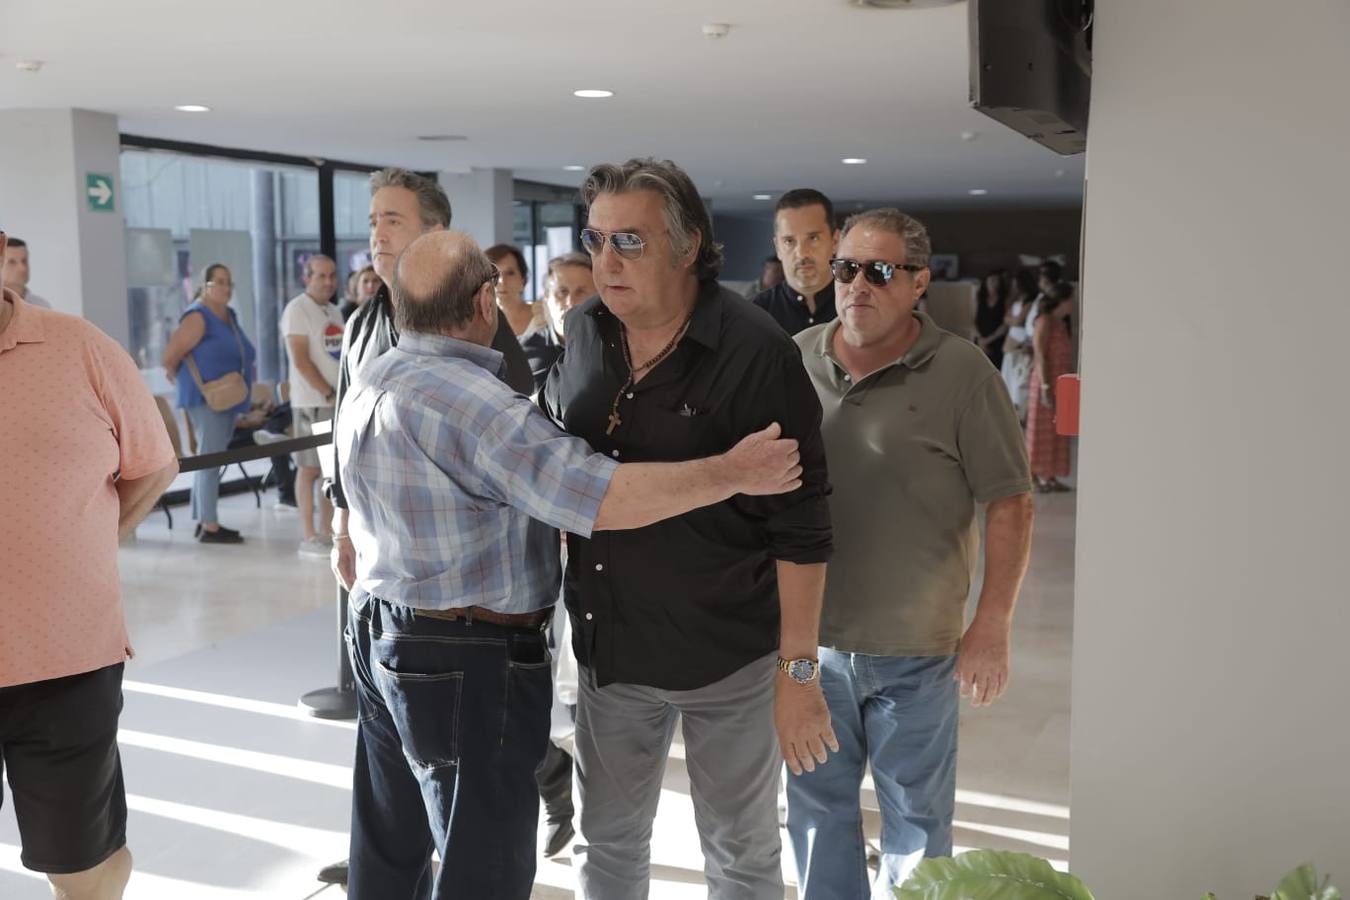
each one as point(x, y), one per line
point(1031, 68)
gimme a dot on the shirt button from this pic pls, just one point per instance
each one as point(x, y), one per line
point(801, 299)
point(589, 617)
point(614, 453)
point(599, 567)
point(630, 395)
point(848, 377)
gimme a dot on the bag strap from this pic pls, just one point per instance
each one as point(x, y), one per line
point(238, 339)
point(192, 364)
point(192, 370)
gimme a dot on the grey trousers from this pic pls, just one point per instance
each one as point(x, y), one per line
point(731, 749)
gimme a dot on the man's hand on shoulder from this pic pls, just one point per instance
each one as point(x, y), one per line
point(764, 463)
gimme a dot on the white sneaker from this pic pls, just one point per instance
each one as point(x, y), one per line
point(313, 547)
point(263, 436)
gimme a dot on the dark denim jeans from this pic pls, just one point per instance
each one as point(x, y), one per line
point(453, 721)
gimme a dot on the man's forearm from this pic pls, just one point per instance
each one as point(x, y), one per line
point(801, 594)
point(311, 373)
point(642, 494)
point(1007, 551)
point(137, 497)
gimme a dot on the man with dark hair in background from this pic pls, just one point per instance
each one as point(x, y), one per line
point(770, 276)
point(805, 237)
point(17, 272)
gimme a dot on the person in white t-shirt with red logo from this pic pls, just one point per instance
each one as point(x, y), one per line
point(312, 328)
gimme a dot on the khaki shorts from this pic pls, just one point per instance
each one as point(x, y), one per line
point(303, 419)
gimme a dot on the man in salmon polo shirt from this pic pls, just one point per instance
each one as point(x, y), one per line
point(86, 456)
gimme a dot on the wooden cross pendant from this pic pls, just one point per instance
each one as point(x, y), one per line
point(614, 422)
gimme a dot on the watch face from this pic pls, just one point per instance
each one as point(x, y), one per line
point(802, 670)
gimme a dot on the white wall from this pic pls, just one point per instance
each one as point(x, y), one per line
point(78, 256)
point(1211, 713)
point(37, 199)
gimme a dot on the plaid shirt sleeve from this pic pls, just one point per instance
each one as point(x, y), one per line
point(526, 462)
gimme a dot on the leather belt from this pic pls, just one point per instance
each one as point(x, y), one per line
point(479, 614)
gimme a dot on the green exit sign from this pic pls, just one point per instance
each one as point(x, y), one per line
point(98, 188)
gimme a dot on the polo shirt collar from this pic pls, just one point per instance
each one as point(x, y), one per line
point(422, 344)
point(25, 326)
point(705, 325)
point(924, 349)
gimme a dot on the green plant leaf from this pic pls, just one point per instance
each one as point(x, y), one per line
point(1302, 884)
point(991, 875)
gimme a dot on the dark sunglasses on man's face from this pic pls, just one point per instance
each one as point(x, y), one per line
point(876, 271)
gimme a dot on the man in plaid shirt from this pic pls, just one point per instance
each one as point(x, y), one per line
point(456, 488)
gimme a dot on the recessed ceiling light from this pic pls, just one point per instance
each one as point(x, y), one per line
point(763, 196)
point(854, 161)
point(192, 107)
point(574, 168)
point(440, 138)
point(590, 94)
point(977, 192)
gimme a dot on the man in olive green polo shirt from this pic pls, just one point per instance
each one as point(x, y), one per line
point(919, 431)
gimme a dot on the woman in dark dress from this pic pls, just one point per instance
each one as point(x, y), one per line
point(991, 308)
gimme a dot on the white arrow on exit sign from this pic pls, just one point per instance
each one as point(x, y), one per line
point(101, 191)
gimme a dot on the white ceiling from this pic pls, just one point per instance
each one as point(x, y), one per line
point(795, 87)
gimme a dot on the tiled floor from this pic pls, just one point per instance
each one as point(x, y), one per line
point(235, 794)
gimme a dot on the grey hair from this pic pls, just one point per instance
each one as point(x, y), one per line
point(432, 202)
point(309, 263)
point(686, 217)
point(450, 304)
point(918, 248)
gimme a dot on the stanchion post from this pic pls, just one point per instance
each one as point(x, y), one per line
point(337, 702)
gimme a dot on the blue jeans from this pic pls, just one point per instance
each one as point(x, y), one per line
point(213, 430)
point(453, 721)
point(900, 714)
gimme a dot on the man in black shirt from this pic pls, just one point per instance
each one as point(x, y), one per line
point(712, 616)
point(805, 238)
point(403, 206)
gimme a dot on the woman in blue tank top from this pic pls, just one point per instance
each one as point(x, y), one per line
point(209, 334)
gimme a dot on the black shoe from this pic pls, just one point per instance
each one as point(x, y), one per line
point(227, 530)
point(336, 873)
point(222, 536)
point(559, 834)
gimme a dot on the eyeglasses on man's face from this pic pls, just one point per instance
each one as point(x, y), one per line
point(625, 243)
point(877, 271)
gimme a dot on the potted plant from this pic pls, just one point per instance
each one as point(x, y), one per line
point(1001, 875)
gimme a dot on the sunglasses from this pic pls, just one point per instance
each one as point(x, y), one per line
point(877, 272)
point(625, 243)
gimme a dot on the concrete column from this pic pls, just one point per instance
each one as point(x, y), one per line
point(1210, 728)
point(480, 200)
point(78, 254)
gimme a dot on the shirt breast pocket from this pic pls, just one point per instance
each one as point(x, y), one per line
point(684, 433)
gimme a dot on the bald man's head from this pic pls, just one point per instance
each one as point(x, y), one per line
point(443, 285)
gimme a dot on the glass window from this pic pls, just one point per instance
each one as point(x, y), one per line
point(543, 231)
point(262, 220)
point(351, 214)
